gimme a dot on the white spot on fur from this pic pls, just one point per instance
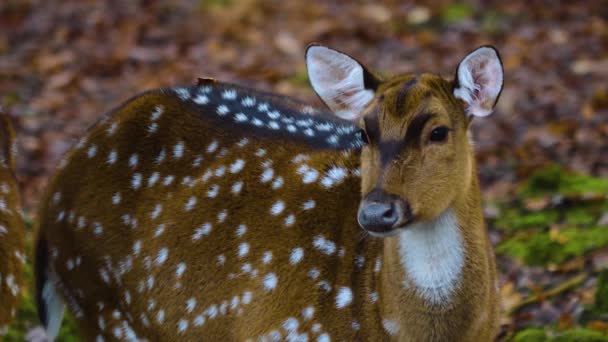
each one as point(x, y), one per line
point(310, 204)
point(391, 327)
point(267, 258)
point(201, 99)
point(344, 297)
point(308, 312)
point(168, 180)
point(296, 255)
point(334, 176)
point(277, 208)
point(92, 151)
point(182, 325)
point(291, 324)
point(240, 230)
point(178, 150)
point(290, 220)
point(323, 338)
point(325, 246)
point(237, 166)
point(204, 229)
point(181, 268)
point(162, 256)
point(222, 110)
point(190, 304)
point(270, 281)
point(190, 204)
point(229, 94)
point(278, 182)
point(112, 157)
point(243, 249)
point(267, 175)
point(133, 159)
point(213, 191)
point(236, 187)
point(156, 212)
point(212, 147)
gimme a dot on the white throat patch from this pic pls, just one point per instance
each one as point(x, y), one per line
point(432, 255)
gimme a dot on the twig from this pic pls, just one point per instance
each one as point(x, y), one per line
point(563, 287)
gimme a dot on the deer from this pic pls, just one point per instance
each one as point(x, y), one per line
point(219, 212)
point(12, 255)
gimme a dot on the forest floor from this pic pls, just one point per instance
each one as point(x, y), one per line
point(542, 156)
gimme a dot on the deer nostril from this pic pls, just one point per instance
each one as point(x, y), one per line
point(378, 216)
point(389, 214)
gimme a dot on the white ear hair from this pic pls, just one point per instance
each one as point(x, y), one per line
point(339, 80)
point(479, 80)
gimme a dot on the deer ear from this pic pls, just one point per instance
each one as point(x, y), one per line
point(341, 82)
point(479, 81)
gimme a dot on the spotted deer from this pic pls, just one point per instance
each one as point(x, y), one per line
point(12, 255)
point(217, 212)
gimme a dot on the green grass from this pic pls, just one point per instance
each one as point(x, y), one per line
point(565, 229)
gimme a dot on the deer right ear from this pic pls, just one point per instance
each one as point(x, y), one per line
point(341, 82)
point(479, 79)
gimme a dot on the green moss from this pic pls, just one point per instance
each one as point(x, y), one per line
point(555, 180)
point(581, 335)
point(456, 12)
point(573, 335)
point(601, 293)
point(531, 335)
point(580, 216)
point(299, 78)
point(539, 249)
point(216, 3)
point(516, 219)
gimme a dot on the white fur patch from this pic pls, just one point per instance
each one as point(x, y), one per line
point(480, 80)
point(54, 310)
point(338, 79)
point(432, 255)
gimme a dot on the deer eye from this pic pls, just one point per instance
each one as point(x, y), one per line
point(363, 136)
point(439, 134)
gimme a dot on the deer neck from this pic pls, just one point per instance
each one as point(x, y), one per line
point(427, 263)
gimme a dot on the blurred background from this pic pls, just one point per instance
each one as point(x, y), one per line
point(543, 155)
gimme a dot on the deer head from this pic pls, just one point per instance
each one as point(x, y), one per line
point(416, 161)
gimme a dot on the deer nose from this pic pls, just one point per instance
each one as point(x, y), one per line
point(378, 216)
point(381, 212)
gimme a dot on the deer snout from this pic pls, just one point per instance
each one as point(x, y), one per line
point(380, 212)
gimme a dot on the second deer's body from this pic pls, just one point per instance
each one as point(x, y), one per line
point(219, 213)
point(12, 255)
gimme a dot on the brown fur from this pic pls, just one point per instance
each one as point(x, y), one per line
point(11, 228)
point(110, 288)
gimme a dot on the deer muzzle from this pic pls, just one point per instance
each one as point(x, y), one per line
point(382, 213)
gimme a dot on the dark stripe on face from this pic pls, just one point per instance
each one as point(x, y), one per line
point(412, 136)
point(372, 126)
point(389, 150)
point(403, 92)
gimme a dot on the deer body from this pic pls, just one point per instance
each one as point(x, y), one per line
point(219, 213)
point(12, 256)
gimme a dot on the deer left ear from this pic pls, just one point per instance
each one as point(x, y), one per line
point(479, 80)
point(341, 82)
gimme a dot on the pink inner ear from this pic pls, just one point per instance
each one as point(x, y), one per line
point(480, 81)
